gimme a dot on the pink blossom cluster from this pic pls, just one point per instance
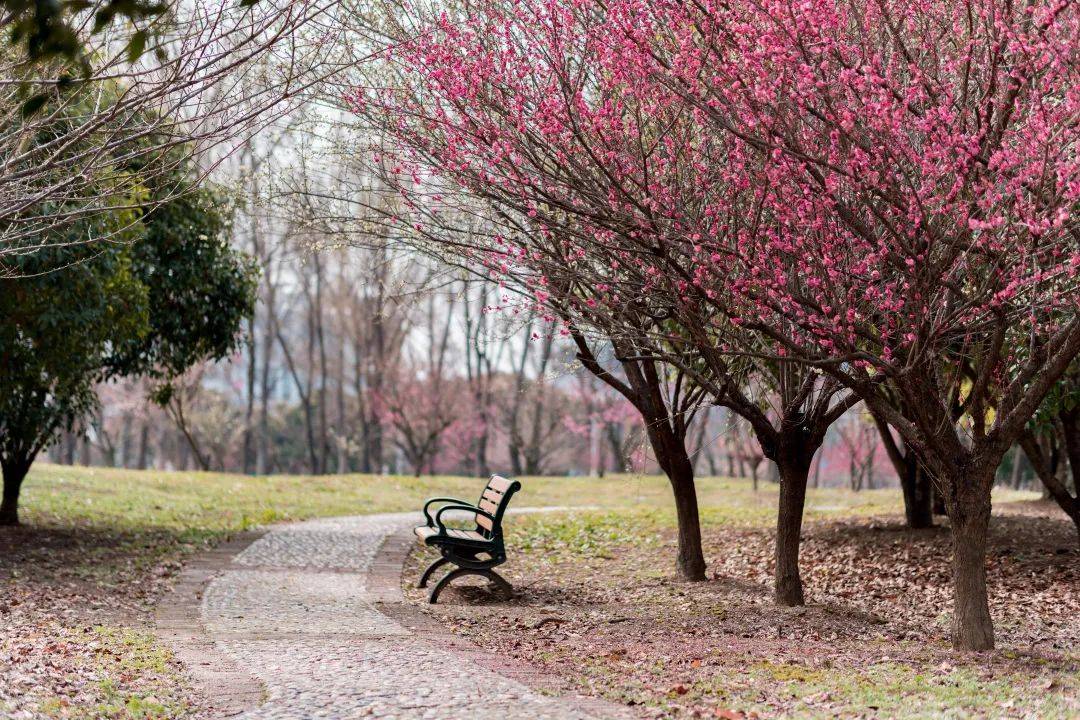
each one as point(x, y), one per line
point(846, 182)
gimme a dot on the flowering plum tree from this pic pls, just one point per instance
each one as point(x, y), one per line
point(918, 162)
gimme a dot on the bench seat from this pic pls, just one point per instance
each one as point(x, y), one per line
point(427, 534)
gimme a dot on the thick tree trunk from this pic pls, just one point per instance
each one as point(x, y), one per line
point(918, 494)
point(969, 512)
point(14, 473)
point(794, 469)
point(675, 462)
point(690, 562)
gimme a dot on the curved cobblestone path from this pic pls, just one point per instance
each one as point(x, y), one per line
point(296, 609)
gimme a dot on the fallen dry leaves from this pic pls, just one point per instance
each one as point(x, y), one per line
point(75, 619)
point(872, 641)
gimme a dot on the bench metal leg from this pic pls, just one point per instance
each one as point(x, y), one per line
point(504, 588)
point(430, 570)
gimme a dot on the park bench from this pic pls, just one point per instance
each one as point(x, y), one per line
point(474, 552)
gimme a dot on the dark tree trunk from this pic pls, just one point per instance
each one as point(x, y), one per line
point(1070, 427)
point(615, 440)
point(918, 494)
point(14, 473)
point(794, 469)
point(125, 442)
point(969, 512)
point(914, 481)
point(690, 560)
point(375, 445)
point(482, 468)
point(68, 454)
point(665, 427)
point(516, 467)
point(1070, 433)
point(673, 459)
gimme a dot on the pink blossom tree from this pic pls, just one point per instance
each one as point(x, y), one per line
point(623, 350)
point(918, 161)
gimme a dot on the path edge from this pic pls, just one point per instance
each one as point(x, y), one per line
point(225, 688)
point(384, 587)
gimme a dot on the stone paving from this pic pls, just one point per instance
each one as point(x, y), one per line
point(295, 610)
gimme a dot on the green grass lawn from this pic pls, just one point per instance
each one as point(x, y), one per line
point(221, 502)
point(99, 546)
point(148, 517)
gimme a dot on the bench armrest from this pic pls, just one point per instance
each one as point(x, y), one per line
point(462, 506)
point(432, 501)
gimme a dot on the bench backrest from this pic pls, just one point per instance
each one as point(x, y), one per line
point(493, 500)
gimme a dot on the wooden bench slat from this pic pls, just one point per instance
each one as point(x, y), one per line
point(498, 483)
point(488, 506)
point(470, 535)
point(485, 523)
